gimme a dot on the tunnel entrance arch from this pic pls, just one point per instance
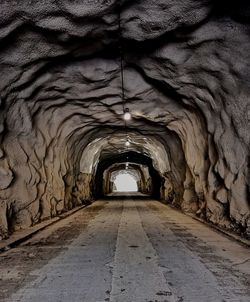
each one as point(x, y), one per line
point(133, 158)
point(138, 171)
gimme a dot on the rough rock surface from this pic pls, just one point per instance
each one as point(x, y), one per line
point(186, 83)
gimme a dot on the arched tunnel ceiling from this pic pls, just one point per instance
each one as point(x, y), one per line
point(186, 76)
point(131, 171)
point(102, 148)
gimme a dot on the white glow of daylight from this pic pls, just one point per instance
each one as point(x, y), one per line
point(125, 183)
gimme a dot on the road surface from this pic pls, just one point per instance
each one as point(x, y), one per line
point(126, 250)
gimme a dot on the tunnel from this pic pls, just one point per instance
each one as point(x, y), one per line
point(124, 150)
point(185, 82)
point(148, 176)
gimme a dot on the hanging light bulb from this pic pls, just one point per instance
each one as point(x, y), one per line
point(127, 115)
point(126, 166)
point(127, 144)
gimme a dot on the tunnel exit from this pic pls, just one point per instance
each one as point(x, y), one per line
point(124, 182)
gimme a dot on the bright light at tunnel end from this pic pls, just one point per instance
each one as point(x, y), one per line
point(124, 182)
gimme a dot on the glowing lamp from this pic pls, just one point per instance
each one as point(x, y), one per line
point(127, 115)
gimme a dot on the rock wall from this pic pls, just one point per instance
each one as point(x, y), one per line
point(186, 83)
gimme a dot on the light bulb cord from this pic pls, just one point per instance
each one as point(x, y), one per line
point(122, 67)
point(121, 58)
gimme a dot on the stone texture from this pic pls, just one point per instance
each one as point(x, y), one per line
point(186, 84)
point(6, 177)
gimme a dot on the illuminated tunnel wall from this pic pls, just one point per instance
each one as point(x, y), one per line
point(186, 84)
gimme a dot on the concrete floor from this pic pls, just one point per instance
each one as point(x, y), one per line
point(127, 250)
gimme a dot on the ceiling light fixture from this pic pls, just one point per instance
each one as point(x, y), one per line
point(127, 114)
point(127, 144)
